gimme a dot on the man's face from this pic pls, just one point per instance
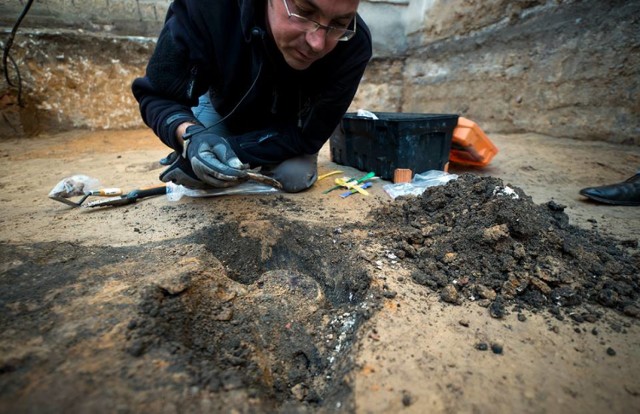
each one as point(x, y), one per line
point(301, 49)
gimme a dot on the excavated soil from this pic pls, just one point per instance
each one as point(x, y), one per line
point(309, 302)
point(261, 315)
point(477, 239)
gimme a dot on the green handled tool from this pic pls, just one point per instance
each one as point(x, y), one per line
point(358, 181)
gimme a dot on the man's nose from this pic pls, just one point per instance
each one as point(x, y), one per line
point(317, 40)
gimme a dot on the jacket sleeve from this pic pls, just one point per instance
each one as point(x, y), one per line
point(172, 83)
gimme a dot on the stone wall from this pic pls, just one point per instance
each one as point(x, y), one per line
point(557, 67)
point(120, 17)
point(73, 80)
point(568, 68)
point(560, 68)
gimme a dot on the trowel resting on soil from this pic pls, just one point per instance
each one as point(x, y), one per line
point(130, 197)
point(106, 192)
point(80, 186)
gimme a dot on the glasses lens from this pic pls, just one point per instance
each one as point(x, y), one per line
point(334, 33)
point(341, 35)
point(302, 24)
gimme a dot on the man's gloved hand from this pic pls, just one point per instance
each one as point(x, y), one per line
point(212, 159)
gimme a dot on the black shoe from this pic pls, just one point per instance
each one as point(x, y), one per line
point(626, 193)
point(180, 172)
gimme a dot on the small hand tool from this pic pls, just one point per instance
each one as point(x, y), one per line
point(350, 185)
point(358, 181)
point(130, 197)
point(360, 188)
point(105, 192)
point(261, 178)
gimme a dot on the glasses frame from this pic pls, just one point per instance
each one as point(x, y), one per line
point(347, 34)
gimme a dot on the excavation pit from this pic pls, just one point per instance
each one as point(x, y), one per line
point(271, 319)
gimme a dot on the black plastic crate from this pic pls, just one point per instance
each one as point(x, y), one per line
point(420, 142)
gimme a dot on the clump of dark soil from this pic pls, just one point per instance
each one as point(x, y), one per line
point(477, 239)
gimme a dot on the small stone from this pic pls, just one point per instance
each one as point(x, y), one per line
point(464, 322)
point(407, 399)
point(608, 298)
point(521, 317)
point(449, 257)
point(224, 315)
point(368, 256)
point(540, 285)
point(632, 311)
point(482, 346)
point(299, 391)
point(389, 294)
point(496, 348)
point(510, 287)
point(590, 317)
point(578, 318)
point(611, 351)
point(495, 233)
point(496, 309)
point(463, 281)
point(136, 349)
point(486, 293)
point(449, 294)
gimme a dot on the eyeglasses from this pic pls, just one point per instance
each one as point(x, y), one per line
point(306, 25)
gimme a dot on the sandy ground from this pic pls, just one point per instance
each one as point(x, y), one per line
point(417, 354)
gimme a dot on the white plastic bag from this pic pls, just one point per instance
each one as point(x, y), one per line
point(76, 185)
point(175, 191)
point(419, 183)
point(366, 114)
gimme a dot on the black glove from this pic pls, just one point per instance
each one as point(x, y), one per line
point(212, 159)
point(180, 172)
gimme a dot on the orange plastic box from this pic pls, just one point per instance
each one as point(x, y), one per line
point(470, 145)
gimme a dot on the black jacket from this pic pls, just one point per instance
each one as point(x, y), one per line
point(222, 46)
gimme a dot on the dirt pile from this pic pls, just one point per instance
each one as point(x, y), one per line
point(477, 239)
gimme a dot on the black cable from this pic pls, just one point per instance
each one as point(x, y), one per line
point(255, 32)
point(15, 66)
point(7, 47)
point(224, 118)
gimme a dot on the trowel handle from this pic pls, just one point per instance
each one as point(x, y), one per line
point(147, 192)
point(107, 192)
